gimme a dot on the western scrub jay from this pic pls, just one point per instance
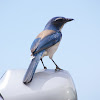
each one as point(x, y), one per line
point(45, 44)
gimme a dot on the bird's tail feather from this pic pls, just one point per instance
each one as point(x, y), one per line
point(32, 67)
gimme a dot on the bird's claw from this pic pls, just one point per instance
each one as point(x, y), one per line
point(57, 68)
point(45, 67)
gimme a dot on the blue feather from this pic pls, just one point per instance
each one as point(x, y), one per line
point(48, 41)
point(35, 44)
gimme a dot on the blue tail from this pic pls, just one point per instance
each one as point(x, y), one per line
point(32, 67)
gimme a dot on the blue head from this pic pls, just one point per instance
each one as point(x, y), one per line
point(57, 23)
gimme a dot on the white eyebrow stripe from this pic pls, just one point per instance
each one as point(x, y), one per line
point(57, 18)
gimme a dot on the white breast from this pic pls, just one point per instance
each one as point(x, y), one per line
point(50, 51)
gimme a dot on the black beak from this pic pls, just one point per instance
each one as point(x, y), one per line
point(69, 19)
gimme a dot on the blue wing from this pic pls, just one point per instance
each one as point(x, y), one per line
point(47, 42)
point(35, 44)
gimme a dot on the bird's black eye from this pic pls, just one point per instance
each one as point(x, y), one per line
point(59, 20)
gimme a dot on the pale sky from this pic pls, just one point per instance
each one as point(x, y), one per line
point(79, 52)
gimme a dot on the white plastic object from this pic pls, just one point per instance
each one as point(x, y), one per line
point(46, 85)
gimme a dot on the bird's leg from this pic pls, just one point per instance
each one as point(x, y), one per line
point(57, 68)
point(43, 64)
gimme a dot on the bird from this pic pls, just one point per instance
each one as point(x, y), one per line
point(46, 44)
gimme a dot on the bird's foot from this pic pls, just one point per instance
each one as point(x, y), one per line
point(57, 68)
point(45, 67)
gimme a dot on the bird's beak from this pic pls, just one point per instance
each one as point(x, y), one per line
point(69, 19)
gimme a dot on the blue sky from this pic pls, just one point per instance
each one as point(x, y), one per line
point(79, 52)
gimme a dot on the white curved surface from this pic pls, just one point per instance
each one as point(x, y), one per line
point(46, 85)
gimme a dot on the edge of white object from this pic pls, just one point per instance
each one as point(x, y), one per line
point(46, 85)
